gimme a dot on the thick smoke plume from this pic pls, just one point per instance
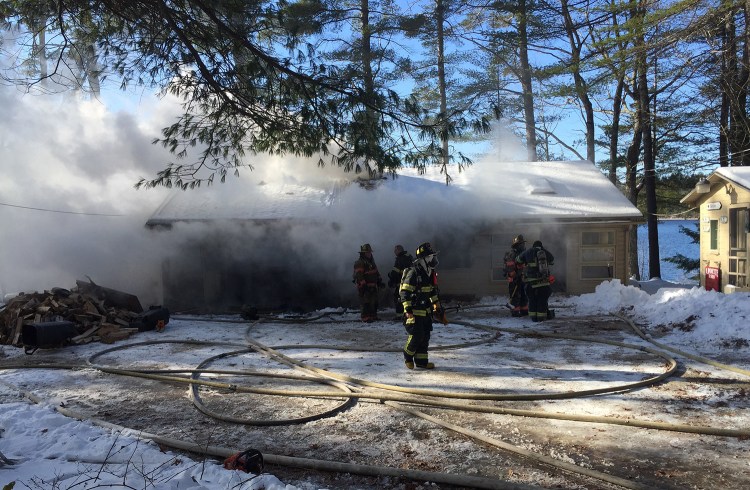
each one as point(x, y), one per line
point(68, 209)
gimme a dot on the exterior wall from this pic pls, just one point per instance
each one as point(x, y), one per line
point(715, 211)
point(209, 275)
point(615, 263)
point(565, 241)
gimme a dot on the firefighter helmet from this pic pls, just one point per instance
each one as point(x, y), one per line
point(427, 257)
point(365, 248)
point(518, 239)
point(537, 244)
point(424, 250)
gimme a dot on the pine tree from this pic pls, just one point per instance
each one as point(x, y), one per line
point(687, 264)
point(251, 79)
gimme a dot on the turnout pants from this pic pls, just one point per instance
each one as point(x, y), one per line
point(368, 301)
point(538, 301)
point(418, 341)
point(518, 298)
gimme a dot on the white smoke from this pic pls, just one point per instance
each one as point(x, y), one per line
point(68, 207)
point(69, 210)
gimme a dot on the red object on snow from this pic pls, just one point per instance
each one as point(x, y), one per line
point(713, 279)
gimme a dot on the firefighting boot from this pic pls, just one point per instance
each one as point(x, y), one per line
point(409, 364)
point(516, 311)
point(429, 365)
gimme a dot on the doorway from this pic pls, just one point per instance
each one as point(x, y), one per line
point(739, 225)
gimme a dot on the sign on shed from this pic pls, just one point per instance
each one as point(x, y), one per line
point(713, 278)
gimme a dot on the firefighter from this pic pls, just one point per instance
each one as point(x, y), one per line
point(419, 296)
point(514, 273)
point(368, 281)
point(537, 262)
point(403, 261)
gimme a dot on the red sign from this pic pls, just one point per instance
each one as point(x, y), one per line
point(713, 279)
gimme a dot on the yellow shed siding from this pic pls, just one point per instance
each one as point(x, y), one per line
point(714, 213)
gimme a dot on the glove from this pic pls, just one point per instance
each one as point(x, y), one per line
point(551, 279)
point(408, 318)
point(439, 314)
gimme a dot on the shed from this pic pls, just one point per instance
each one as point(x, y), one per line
point(724, 202)
point(284, 242)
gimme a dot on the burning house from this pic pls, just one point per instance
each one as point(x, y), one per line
point(284, 243)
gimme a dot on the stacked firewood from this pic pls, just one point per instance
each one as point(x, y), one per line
point(99, 314)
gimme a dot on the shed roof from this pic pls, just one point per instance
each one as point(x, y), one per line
point(530, 191)
point(735, 175)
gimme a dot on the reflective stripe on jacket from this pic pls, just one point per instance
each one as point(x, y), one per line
point(366, 273)
point(418, 292)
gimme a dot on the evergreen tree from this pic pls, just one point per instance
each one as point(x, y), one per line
point(687, 264)
point(510, 33)
point(250, 78)
point(439, 86)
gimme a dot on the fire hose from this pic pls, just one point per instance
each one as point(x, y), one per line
point(412, 396)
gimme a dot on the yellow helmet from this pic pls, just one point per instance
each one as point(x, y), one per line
point(424, 250)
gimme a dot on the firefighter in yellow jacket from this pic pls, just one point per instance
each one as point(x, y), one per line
point(419, 295)
point(368, 281)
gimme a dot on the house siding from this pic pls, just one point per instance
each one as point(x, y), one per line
point(563, 240)
point(728, 196)
point(276, 245)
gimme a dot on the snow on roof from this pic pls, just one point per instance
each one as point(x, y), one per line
point(496, 190)
point(539, 190)
point(738, 175)
point(538, 186)
point(245, 199)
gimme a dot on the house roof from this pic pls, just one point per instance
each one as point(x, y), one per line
point(735, 175)
point(245, 199)
point(530, 191)
point(564, 190)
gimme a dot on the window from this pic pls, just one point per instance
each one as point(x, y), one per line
point(597, 255)
point(738, 229)
point(714, 242)
point(737, 272)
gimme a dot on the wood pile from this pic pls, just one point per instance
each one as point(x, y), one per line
point(100, 314)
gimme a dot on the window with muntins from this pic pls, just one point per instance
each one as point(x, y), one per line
point(597, 254)
point(714, 242)
point(738, 256)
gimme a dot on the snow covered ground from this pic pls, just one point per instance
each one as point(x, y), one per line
point(42, 448)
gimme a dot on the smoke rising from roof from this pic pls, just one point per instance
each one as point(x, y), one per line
point(75, 163)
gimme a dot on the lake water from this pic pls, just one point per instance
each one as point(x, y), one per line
point(671, 242)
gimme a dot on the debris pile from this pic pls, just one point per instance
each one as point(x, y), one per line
point(95, 312)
